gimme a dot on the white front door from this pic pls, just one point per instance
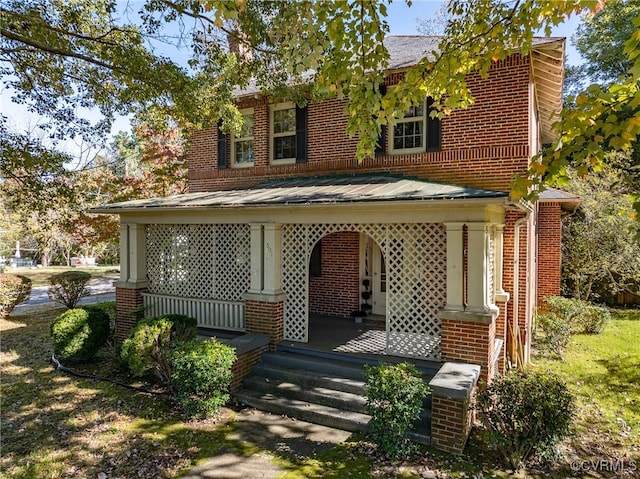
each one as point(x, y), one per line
point(379, 282)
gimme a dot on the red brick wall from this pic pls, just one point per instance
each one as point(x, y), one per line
point(128, 311)
point(469, 342)
point(451, 423)
point(266, 318)
point(481, 146)
point(549, 250)
point(243, 365)
point(337, 291)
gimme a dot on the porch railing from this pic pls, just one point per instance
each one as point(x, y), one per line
point(210, 313)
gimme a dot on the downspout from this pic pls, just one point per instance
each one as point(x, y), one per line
point(516, 352)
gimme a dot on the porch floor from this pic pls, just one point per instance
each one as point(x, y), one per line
point(345, 336)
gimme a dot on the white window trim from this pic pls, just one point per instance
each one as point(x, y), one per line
point(412, 119)
point(234, 139)
point(272, 135)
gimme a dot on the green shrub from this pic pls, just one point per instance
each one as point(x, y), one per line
point(78, 333)
point(68, 287)
point(526, 414)
point(201, 376)
point(395, 395)
point(593, 319)
point(147, 349)
point(14, 289)
point(561, 317)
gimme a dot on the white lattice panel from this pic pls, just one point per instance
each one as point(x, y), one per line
point(199, 261)
point(416, 262)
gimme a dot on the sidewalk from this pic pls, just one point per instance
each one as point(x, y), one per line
point(275, 435)
point(100, 290)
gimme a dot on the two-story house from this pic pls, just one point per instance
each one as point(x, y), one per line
point(282, 225)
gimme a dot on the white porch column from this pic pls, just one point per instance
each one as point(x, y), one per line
point(271, 259)
point(455, 267)
point(137, 255)
point(500, 294)
point(478, 294)
point(256, 258)
point(124, 252)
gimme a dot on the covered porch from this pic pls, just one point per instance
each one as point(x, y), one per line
point(239, 260)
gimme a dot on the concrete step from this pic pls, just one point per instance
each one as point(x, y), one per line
point(309, 393)
point(310, 412)
point(317, 365)
point(317, 387)
point(307, 379)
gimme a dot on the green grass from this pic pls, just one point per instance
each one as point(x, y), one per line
point(603, 372)
point(40, 276)
point(54, 425)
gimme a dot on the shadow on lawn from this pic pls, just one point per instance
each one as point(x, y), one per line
point(56, 425)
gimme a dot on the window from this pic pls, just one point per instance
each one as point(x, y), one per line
point(315, 262)
point(408, 133)
point(417, 131)
point(242, 145)
point(283, 133)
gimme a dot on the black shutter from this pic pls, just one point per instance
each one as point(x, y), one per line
point(381, 144)
point(222, 148)
point(434, 129)
point(301, 134)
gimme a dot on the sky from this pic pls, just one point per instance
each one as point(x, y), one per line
point(402, 20)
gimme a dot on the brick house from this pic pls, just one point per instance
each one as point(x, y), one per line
point(282, 224)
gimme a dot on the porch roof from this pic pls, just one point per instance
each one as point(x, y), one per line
point(313, 190)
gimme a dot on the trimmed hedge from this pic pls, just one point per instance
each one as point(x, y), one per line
point(148, 347)
point(201, 376)
point(79, 333)
point(14, 289)
point(68, 287)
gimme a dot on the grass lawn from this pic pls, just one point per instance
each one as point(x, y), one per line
point(54, 425)
point(40, 276)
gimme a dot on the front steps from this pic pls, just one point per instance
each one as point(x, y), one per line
point(318, 387)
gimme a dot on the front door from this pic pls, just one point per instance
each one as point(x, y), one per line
point(379, 282)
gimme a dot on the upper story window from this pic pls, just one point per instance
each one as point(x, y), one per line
point(283, 133)
point(242, 152)
point(408, 133)
point(416, 132)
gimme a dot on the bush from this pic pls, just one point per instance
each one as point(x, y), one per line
point(68, 287)
point(14, 289)
point(562, 317)
point(526, 414)
point(78, 333)
point(395, 395)
point(593, 319)
point(148, 347)
point(201, 376)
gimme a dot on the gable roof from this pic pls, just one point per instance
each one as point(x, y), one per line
point(311, 190)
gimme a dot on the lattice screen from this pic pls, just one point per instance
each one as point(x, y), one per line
point(199, 261)
point(416, 266)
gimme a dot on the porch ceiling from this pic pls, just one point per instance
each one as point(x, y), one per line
point(314, 190)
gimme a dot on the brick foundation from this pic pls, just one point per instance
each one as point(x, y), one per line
point(469, 341)
point(265, 317)
point(452, 413)
point(128, 311)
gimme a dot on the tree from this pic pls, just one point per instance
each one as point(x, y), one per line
point(600, 257)
point(603, 118)
point(60, 55)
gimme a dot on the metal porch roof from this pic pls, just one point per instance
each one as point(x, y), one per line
point(310, 190)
